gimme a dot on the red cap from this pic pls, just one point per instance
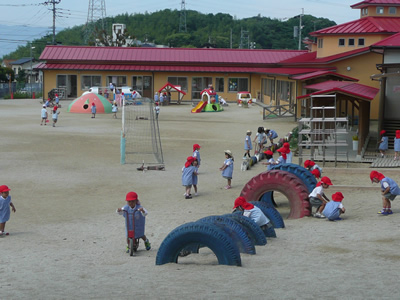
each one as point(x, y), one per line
point(326, 180)
point(196, 146)
point(397, 134)
point(92, 103)
point(286, 145)
point(316, 173)
point(377, 175)
point(4, 188)
point(337, 197)
point(55, 107)
point(268, 152)
point(131, 196)
point(189, 161)
point(382, 132)
point(241, 201)
point(309, 163)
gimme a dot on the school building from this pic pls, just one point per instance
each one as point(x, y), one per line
point(341, 61)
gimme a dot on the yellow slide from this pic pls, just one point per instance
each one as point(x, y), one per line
point(199, 107)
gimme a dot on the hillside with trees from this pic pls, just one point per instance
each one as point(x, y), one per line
point(215, 30)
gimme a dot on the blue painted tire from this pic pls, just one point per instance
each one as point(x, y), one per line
point(301, 172)
point(268, 198)
point(235, 230)
point(254, 160)
point(253, 230)
point(271, 213)
point(202, 233)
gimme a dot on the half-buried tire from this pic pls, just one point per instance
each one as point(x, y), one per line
point(284, 182)
point(301, 172)
point(235, 230)
point(202, 233)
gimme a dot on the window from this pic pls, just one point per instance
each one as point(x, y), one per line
point(379, 10)
point(361, 42)
point(341, 42)
point(87, 81)
point(284, 91)
point(199, 84)
point(61, 80)
point(137, 83)
point(180, 81)
point(268, 88)
point(320, 43)
point(392, 10)
point(117, 80)
point(364, 11)
point(351, 42)
point(238, 84)
point(219, 85)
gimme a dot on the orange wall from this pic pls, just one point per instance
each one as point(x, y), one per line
point(331, 43)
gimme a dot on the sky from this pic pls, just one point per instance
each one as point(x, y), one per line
point(26, 20)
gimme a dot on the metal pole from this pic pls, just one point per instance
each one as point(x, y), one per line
point(301, 15)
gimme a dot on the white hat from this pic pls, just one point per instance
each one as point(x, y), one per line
point(44, 105)
point(248, 131)
point(228, 152)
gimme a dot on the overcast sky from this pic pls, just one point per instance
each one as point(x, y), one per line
point(29, 14)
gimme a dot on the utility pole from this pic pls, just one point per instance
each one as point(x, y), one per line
point(53, 3)
point(300, 27)
point(244, 39)
point(182, 17)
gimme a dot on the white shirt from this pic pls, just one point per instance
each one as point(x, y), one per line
point(318, 190)
point(256, 215)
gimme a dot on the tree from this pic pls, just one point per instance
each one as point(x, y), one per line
point(4, 72)
point(21, 78)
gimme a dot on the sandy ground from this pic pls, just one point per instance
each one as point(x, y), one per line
point(67, 242)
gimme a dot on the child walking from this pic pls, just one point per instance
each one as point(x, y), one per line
point(271, 162)
point(5, 204)
point(227, 168)
point(383, 143)
point(333, 209)
point(397, 145)
point(93, 110)
point(157, 109)
point(55, 113)
point(114, 110)
point(389, 191)
point(43, 115)
point(247, 144)
point(317, 197)
point(196, 154)
point(187, 176)
point(133, 205)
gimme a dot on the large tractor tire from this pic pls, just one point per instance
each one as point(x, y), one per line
point(284, 182)
point(202, 233)
point(235, 230)
point(304, 174)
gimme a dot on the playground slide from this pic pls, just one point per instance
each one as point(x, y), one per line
point(199, 107)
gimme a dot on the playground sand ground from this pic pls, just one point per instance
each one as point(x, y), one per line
point(67, 242)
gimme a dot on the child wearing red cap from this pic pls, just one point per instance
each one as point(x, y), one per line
point(383, 143)
point(389, 190)
point(271, 162)
point(311, 166)
point(196, 154)
point(333, 209)
point(133, 205)
point(93, 110)
point(252, 212)
point(5, 204)
point(55, 113)
point(397, 145)
point(187, 176)
point(317, 197)
point(282, 158)
point(289, 153)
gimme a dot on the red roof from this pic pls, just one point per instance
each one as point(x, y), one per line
point(391, 41)
point(311, 58)
point(173, 87)
point(162, 55)
point(367, 3)
point(349, 88)
point(364, 25)
point(163, 68)
point(321, 74)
